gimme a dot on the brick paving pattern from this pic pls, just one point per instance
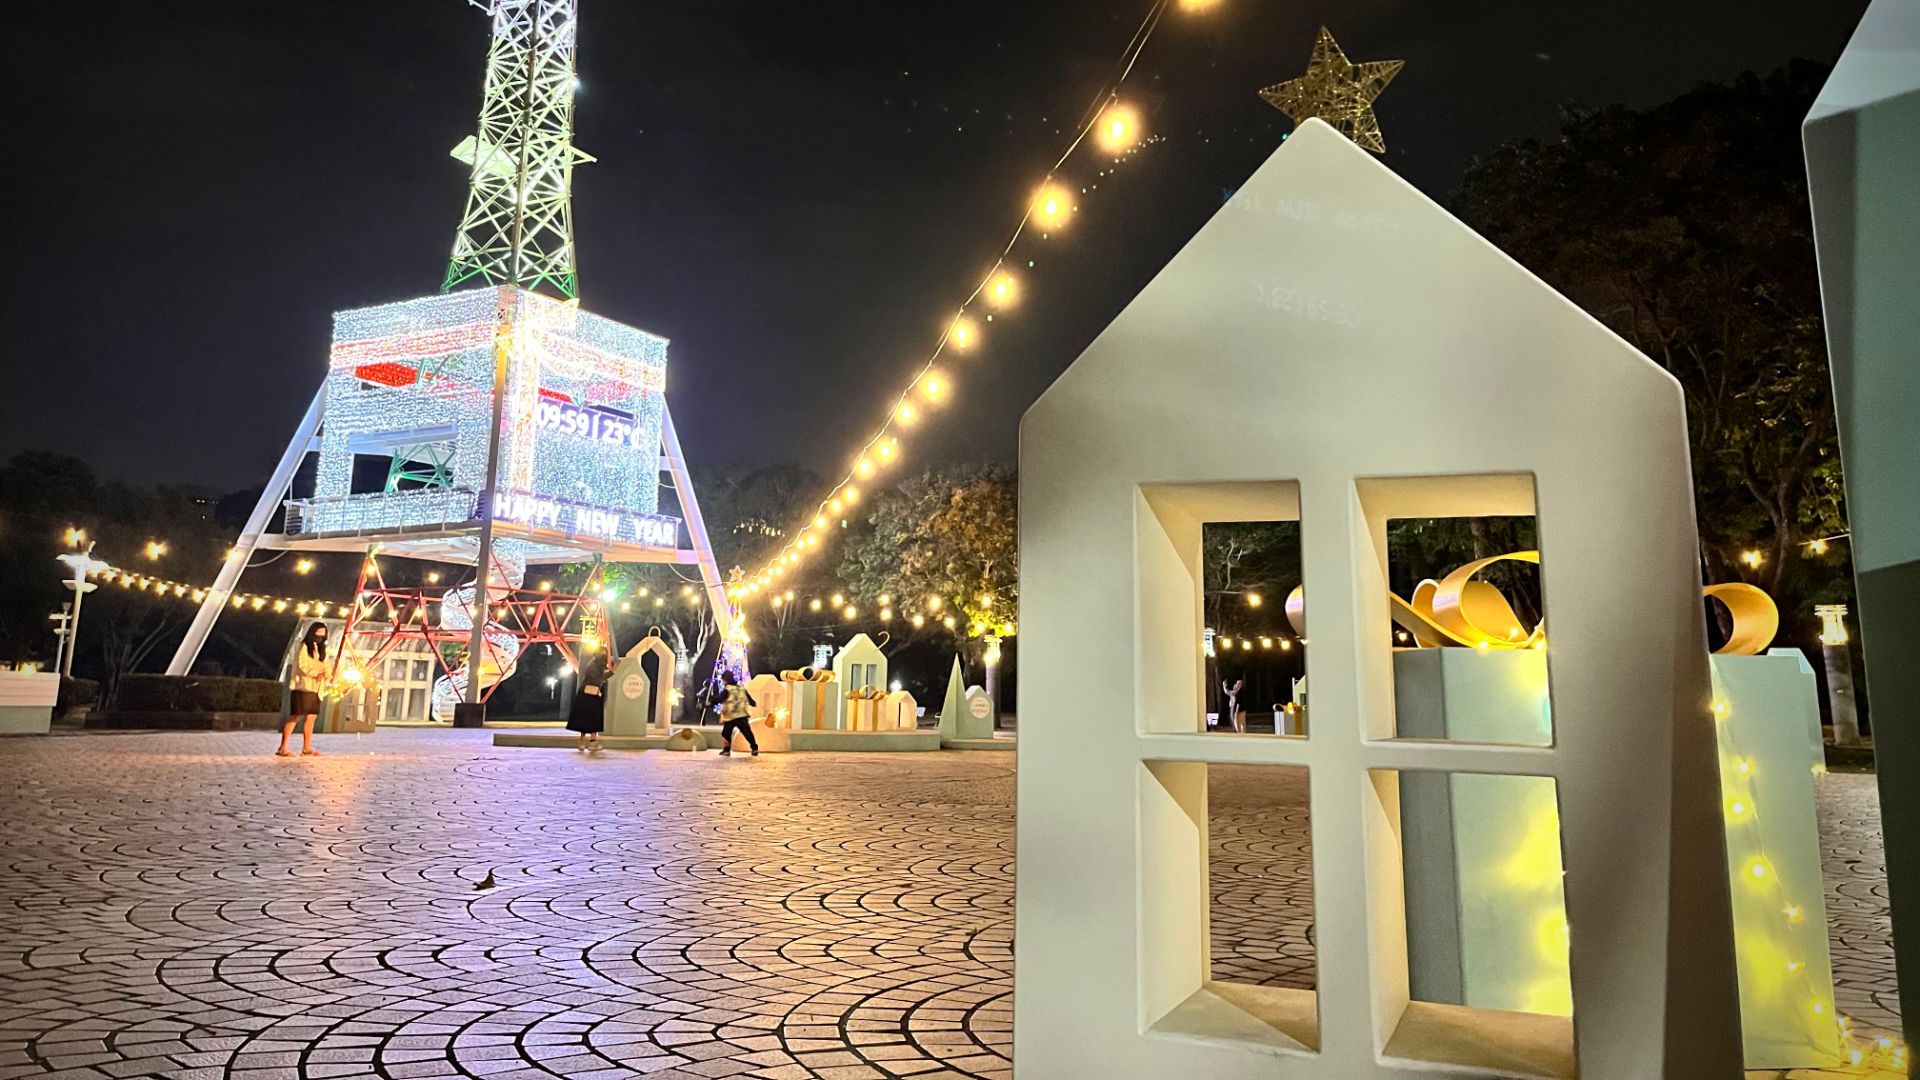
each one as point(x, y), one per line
point(189, 906)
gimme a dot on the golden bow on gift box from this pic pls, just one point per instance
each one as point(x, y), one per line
point(1459, 612)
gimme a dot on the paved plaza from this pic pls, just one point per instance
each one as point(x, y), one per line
point(418, 903)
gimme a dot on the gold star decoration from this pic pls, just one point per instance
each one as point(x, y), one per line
point(1337, 91)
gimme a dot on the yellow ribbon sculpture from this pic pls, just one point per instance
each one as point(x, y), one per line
point(1459, 612)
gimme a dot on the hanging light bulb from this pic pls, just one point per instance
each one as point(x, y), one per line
point(1118, 128)
point(933, 386)
point(1052, 206)
point(1003, 289)
point(963, 334)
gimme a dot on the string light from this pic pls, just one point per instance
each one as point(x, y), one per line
point(963, 334)
point(1753, 557)
point(1113, 126)
point(1052, 206)
point(155, 549)
point(1118, 129)
point(1003, 290)
point(304, 566)
point(128, 579)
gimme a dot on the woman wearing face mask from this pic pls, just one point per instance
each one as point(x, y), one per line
point(309, 674)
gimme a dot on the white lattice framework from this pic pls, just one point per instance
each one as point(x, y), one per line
point(518, 227)
point(522, 428)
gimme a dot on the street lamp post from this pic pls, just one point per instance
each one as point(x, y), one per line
point(83, 563)
point(62, 619)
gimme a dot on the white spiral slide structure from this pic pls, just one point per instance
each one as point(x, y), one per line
point(502, 654)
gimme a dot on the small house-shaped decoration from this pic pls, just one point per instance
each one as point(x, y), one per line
point(769, 696)
point(640, 694)
point(901, 712)
point(859, 667)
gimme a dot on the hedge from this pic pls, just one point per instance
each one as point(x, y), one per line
point(197, 693)
point(77, 692)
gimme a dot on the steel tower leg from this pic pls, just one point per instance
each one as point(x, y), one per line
point(229, 576)
point(696, 525)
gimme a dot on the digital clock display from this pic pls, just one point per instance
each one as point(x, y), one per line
point(596, 422)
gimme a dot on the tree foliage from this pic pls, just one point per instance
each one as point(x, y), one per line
point(948, 534)
point(1685, 228)
point(122, 630)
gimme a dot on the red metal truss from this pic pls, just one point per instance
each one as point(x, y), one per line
point(531, 616)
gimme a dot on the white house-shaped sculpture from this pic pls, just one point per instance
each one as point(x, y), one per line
point(1418, 372)
point(859, 665)
point(769, 696)
point(640, 694)
point(1863, 170)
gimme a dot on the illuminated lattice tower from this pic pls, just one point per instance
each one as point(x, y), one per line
point(518, 228)
point(516, 428)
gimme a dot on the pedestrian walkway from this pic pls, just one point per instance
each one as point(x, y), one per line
point(417, 903)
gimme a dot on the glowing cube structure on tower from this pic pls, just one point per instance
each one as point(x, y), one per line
point(411, 383)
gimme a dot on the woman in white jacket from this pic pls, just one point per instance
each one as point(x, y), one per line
point(310, 671)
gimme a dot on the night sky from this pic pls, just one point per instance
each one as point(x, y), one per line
point(797, 194)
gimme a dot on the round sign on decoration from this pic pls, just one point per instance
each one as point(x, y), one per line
point(979, 707)
point(632, 687)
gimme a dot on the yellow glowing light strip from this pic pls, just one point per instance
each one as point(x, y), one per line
point(158, 586)
point(882, 447)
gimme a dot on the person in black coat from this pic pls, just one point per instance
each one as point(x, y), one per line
point(588, 713)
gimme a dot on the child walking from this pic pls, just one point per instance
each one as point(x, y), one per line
point(735, 713)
